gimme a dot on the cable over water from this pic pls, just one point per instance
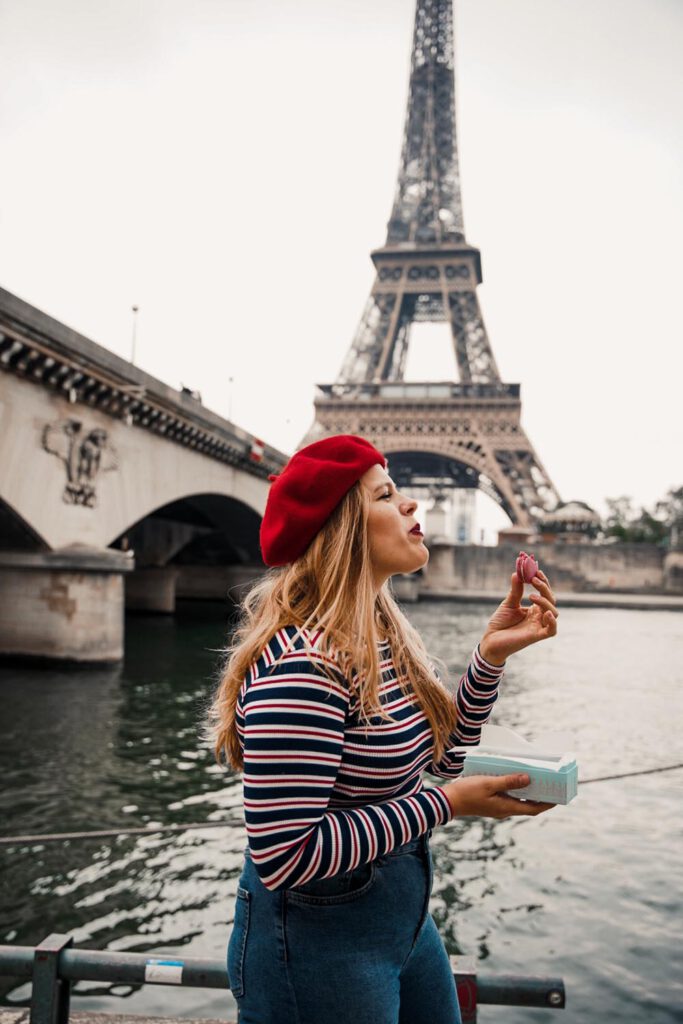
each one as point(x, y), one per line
point(55, 837)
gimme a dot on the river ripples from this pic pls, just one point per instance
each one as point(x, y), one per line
point(589, 892)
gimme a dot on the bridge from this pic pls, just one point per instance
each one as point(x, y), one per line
point(115, 491)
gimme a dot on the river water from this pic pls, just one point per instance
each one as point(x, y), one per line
point(590, 892)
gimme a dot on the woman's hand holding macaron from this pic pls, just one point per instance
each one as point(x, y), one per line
point(513, 626)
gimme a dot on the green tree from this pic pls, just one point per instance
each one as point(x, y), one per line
point(641, 526)
point(620, 515)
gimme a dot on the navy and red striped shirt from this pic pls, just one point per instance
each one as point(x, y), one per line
point(324, 792)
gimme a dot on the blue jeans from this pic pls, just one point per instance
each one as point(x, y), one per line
point(360, 947)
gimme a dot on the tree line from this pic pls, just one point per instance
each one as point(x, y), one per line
point(662, 524)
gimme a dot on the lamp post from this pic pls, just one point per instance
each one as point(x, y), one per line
point(135, 331)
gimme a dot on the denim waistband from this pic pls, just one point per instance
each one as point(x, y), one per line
point(412, 844)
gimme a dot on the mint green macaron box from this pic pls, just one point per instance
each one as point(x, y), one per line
point(554, 782)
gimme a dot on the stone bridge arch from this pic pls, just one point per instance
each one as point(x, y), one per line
point(170, 531)
point(201, 546)
point(63, 576)
point(90, 446)
point(136, 472)
point(15, 533)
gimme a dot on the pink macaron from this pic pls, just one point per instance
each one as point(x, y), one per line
point(526, 567)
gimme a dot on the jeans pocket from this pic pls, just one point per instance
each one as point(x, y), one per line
point(344, 888)
point(238, 943)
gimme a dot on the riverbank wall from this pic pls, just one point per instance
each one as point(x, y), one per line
point(593, 574)
point(572, 568)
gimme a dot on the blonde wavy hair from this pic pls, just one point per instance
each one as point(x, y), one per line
point(330, 588)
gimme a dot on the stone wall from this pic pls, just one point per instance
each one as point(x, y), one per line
point(673, 572)
point(627, 568)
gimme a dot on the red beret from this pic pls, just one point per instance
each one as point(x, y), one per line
point(307, 491)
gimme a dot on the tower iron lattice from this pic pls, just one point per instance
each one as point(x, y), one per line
point(435, 434)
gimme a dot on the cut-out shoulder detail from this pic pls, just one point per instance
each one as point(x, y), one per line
point(293, 641)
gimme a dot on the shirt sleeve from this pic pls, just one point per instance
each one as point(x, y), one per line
point(293, 735)
point(476, 696)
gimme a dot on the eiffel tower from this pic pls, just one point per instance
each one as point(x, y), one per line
point(436, 434)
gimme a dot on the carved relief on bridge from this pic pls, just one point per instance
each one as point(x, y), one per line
point(85, 454)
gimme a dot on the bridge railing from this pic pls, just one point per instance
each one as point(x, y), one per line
point(55, 964)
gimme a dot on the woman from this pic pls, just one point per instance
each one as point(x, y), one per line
point(332, 709)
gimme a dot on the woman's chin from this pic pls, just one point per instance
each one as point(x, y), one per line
point(408, 563)
point(419, 560)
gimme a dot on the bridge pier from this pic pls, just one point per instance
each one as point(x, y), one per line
point(156, 588)
point(64, 605)
point(152, 589)
point(216, 582)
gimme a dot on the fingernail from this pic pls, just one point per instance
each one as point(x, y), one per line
point(524, 780)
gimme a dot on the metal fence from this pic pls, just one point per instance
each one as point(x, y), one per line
point(55, 964)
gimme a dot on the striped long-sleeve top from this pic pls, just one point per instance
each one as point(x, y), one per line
point(323, 791)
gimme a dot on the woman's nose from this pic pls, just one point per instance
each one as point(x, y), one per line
point(408, 506)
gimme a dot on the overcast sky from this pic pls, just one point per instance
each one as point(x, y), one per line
point(228, 165)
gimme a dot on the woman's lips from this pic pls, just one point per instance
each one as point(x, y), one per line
point(416, 530)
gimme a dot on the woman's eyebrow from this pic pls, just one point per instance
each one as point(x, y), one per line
point(382, 487)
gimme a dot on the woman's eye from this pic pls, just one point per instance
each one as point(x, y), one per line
point(387, 495)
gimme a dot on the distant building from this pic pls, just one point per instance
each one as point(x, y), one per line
point(571, 522)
